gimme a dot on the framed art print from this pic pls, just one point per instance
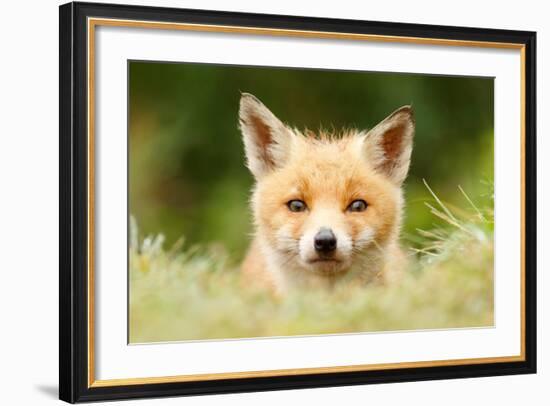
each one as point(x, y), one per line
point(257, 202)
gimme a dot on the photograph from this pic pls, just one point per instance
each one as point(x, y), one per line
point(255, 202)
point(269, 201)
point(274, 203)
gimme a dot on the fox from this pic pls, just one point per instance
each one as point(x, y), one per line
point(327, 207)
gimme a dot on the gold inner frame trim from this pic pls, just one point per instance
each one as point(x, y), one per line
point(298, 371)
point(94, 22)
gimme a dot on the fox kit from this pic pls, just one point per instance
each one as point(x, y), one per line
point(326, 207)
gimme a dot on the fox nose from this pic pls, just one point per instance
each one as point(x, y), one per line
point(324, 241)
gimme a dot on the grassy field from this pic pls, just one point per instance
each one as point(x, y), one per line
point(194, 293)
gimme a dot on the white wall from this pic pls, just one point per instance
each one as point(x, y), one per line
point(29, 188)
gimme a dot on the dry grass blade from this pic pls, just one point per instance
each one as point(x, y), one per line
point(443, 207)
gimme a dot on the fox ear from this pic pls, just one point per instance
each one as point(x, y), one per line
point(266, 139)
point(388, 146)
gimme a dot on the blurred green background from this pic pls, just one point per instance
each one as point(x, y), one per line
point(187, 174)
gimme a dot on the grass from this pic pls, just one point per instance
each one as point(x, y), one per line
point(195, 293)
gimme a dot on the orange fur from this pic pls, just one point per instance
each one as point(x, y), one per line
point(327, 172)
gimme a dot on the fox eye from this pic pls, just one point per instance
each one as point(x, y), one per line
point(357, 205)
point(296, 205)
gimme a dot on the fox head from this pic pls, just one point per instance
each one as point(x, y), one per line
point(324, 203)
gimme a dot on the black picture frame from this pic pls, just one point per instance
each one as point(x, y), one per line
point(73, 255)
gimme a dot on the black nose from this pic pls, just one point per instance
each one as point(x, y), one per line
point(325, 241)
